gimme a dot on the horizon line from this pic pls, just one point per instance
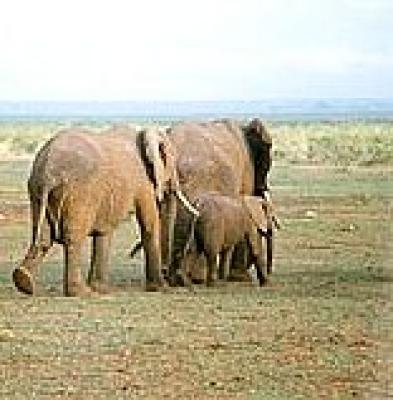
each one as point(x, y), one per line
point(195, 100)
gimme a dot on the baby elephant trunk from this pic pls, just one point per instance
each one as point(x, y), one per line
point(269, 235)
point(269, 250)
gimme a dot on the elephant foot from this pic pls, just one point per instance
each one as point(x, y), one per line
point(100, 287)
point(197, 281)
point(157, 286)
point(152, 287)
point(180, 279)
point(175, 278)
point(79, 290)
point(263, 281)
point(23, 280)
point(239, 276)
point(210, 282)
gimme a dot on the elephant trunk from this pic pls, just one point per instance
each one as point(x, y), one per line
point(269, 246)
point(152, 148)
point(268, 234)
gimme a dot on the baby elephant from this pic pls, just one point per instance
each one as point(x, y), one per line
point(222, 223)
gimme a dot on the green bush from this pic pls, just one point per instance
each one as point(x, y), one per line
point(328, 143)
point(339, 143)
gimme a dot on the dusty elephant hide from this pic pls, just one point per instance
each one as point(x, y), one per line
point(222, 156)
point(223, 222)
point(83, 184)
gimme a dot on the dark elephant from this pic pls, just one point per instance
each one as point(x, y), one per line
point(224, 222)
point(83, 184)
point(223, 156)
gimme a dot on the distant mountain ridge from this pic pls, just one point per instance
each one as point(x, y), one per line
point(276, 109)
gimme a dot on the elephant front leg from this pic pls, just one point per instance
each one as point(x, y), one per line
point(269, 251)
point(213, 262)
point(261, 267)
point(256, 249)
point(261, 273)
point(74, 284)
point(225, 264)
point(148, 219)
point(154, 277)
point(98, 278)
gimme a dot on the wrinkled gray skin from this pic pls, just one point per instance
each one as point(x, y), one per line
point(222, 156)
point(83, 184)
point(222, 223)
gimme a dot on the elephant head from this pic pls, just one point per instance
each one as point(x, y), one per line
point(160, 160)
point(259, 143)
point(159, 156)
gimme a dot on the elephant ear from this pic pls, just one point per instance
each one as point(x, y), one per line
point(160, 160)
point(259, 142)
point(257, 212)
point(169, 158)
point(150, 154)
point(256, 129)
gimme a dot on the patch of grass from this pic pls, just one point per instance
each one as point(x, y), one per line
point(344, 143)
point(321, 329)
point(339, 143)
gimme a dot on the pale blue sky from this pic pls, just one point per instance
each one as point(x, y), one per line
point(195, 50)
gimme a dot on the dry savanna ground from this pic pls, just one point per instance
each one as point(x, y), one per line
point(322, 329)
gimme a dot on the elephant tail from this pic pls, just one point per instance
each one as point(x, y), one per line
point(41, 215)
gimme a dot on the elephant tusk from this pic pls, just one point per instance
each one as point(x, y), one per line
point(138, 246)
point(186, 203)
point(267, 196)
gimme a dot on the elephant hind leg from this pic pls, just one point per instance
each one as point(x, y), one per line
point(23, 276)
point(23, 280)
point(98, 278)
point(74, 284)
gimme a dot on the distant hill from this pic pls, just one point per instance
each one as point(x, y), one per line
point(275, 109)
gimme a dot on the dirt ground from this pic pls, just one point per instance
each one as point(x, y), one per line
point(322, 329)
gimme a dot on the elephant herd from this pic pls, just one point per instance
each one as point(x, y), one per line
point(198, 191)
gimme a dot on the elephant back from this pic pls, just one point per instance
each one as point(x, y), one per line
point(209, 158)
point(67, 157)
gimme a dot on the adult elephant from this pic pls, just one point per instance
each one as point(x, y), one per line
point(222, 156)
point(83, 184)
